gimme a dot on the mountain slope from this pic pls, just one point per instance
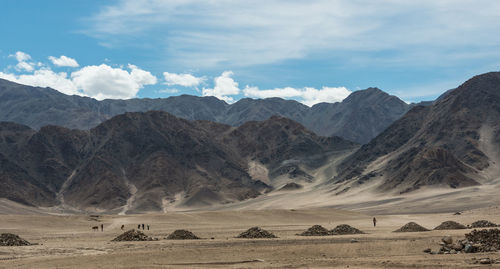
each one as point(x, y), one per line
point(359, 118)
point(139, 162)
point(450, 143)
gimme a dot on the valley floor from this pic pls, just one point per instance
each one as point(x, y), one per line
point(69, 242)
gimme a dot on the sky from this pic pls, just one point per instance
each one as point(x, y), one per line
point(310, 51)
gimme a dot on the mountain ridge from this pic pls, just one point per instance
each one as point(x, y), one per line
point(442, 144)
point(36, 107)
point(141, 161)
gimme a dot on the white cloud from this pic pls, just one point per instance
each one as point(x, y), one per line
point(269, 31)
point(63, 61)
point(308, 96)
point(170, 91)
point(21, 56)
point(224, 86)
point(22, 61)
point(104, 81)
point(45, 78)
point(185, 80)
point(25, 66)
point(99, 82)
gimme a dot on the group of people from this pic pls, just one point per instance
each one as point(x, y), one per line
point(139, 226)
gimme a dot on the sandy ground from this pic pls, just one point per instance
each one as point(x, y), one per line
point(68, 242)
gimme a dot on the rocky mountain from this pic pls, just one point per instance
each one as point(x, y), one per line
point(453, 142)
point(360, 117)
point(150, 161)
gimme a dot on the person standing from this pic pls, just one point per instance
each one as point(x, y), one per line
point(374, 222)
point(143, 226)
point(102, 227)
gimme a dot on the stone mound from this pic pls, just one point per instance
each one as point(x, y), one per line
point(411, 227)
point(345, 229)
point(483, 224)
point(483, 240)
point(316, 230)
point(182, 235)
point(450, 225)
point(256, 232)
point(132, 235)
point(486, 240)
point(10, 240)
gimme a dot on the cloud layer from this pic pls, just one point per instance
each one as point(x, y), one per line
point(63, 61)
point(107, 82)
point(225, 87)
point(208, 33)
point(96, 81)
point(185, 80)
point(308, 96)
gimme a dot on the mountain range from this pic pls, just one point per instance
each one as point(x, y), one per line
point(141, 161)
point(359, 118)
point(442, 151)
point(450, 143)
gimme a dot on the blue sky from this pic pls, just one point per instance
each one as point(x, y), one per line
point(310, 51)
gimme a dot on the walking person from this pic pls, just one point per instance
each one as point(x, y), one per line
point(374, 222)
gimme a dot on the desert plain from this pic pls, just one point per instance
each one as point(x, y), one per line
point(67, 241)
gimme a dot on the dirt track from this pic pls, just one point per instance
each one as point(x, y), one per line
point(68, 242)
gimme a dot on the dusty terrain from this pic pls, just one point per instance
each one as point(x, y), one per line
point(69, 242)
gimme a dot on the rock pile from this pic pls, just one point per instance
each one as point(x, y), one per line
point(483, 224)
point(411, 227)
point(256, 232)
point(182, 235)
point(475, 241)
point(450, 225)
point(132, 235)
point(316, 230)
point(10, 240)
point(345, 229)
point(448, 246)
point(483, 240)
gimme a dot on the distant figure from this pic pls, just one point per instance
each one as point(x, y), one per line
point(143, 226)
point(123, 227)
point(102, 227)
point(148, 227)
point(374, 222)
point(138, 226)
point(95, 228)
